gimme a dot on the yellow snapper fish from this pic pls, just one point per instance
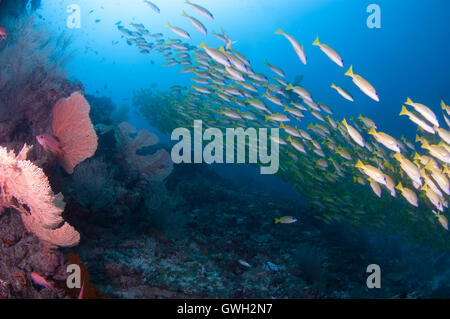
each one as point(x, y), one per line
point(409, 168)
point(277, 140)
point(231, 114)
point(202, 11)
point(442, 220)
point(363, 84)
point(322, 163)
point(235, 74)
point(375, 173)
point(285, 220)
point(299, 49)
point(367, 121)
point(390, 185)
point(197, 24)
point(292, 131)
point(440, 177)
point(299, 106)
point(375, 187)
point(434, 198)
point(302, 92)
point(424, 111)
point(422, 124)
point(344, 93)
point(275, 69)
point(294, 112)
point(216, 55)
point(408, 194)
point(385, 139)
point(443, 133)
point(296, 144)
point(329, 52)
point(429, 182)
point(277, 117)
point(354, 134)
point(344, 153)
point(437, 151)
point(178, 31)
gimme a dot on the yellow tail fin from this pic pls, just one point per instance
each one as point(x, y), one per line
point(350, 71)
point(408, 101)
point(289, 87)
point(333, 86)
point(344, 121)
point(279, 31)
point(372, 131)
point(202, 45)
point(277, 220)
point(316, 41)
point(399, 186)
point(404, 111)
point(359, 164)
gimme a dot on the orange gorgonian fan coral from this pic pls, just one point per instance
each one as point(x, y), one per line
point(25, 187)
point(73, 127)
point(154, 167)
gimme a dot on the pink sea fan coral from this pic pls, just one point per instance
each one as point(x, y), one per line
point(155, 167)
point(25, 187)
point(74, 129)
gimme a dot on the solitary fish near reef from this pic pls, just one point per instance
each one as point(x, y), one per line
point(244, 263)
point(285, 220)
point(41, 281)
point(3, 34)
point(51, 143)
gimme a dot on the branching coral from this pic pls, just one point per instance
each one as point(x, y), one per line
point(155, 167)
point(25, 187)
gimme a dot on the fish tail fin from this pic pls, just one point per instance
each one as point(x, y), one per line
point(443, 105)
point(399, 186)
point(408, 101)
point(333, 86)
point(221, 49)
point(344, 121)
point(279, 31)
point(350, 71)
point(372, 131)
point(359, 164)
point(282, 125)
point(289, 138)
point(266, 62)
point(267, 118)
point(289, 87)
point(277, 220)
point(202, 45)
point(418, 138)
point(404, 110)
point(167, 25)
point(316, 41)
point(184, 14)
point(429, 166)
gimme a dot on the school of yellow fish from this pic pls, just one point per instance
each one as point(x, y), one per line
point(331, 163)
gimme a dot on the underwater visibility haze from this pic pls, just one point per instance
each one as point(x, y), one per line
point(224, 149)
